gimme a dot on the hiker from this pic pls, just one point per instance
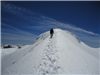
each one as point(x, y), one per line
point(51, 32)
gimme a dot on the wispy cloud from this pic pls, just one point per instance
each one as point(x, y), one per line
point(15, 36)
point(29, 23)
point(38, 21)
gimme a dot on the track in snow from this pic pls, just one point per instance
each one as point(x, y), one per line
point(49, 64)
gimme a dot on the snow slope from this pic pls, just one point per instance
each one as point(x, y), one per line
point(63, 54)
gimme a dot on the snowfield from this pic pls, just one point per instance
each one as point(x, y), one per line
point(64, 54)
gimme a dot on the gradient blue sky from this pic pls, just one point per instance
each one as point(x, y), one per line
point(22, 21)
point(85, 15)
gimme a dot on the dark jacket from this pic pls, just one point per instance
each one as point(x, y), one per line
point(51, 31)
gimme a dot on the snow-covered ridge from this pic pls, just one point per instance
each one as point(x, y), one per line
point(63, 54)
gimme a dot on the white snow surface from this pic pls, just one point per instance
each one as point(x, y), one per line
point(64, 54)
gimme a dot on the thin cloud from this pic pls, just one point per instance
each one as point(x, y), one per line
point(34, 22)
point(16, 35)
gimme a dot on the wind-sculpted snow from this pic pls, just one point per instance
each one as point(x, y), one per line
point(63, 54)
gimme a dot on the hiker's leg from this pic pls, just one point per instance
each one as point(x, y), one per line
point(51, 35)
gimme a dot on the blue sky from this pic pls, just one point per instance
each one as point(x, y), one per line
point(32, 18)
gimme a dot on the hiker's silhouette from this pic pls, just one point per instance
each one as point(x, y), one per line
point(51, 32)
